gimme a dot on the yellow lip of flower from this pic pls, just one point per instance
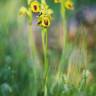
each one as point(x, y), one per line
point(23, 11)
point(45, 22)
point(35, 7)
point(69, 5)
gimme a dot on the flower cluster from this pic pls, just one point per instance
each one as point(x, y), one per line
point(44, 17)
point(68, 4)
point(33, 6)
point(45, 13)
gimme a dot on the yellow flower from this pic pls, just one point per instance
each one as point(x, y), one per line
point(44, 21)
point(57, 1)
point(44, 18)
point(49, 12)
point(69, 5)
point(23, 11)
point(35, 7)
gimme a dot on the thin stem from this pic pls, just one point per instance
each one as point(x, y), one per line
point(63, 14)
point(45, 50)
point(45, 47)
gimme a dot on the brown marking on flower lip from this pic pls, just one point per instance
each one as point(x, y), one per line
point(46, 22)
point(70, 6)
point(35, 7)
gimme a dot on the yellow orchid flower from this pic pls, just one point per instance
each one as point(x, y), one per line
point(35, 6)
point(49, 12)
point(44, 21)
point(69, 5)
point(44, 18)
point(23, 11)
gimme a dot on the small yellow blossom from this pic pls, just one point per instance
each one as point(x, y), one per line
point(23, 11)
point(57, 1)
point(35, 6)
point(44, 21)
point(45, 16)
point(69, 5)
point(49, 12)
point(44, 8)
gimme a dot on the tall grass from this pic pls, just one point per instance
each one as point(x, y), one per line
point(21, 72)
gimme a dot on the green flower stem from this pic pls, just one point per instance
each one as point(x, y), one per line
point(45, 50)
point(45, 47)
point(63, 14)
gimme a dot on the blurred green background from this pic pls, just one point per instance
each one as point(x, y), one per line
point(17, 74)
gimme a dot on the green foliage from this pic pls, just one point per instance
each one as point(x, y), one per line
point(19, 75)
